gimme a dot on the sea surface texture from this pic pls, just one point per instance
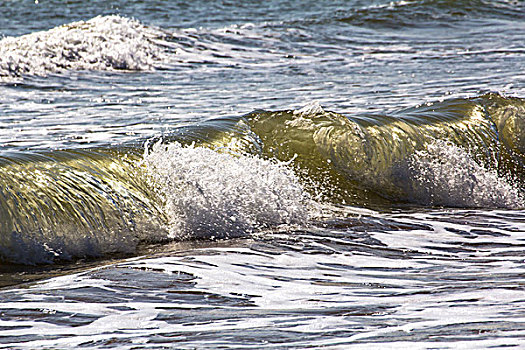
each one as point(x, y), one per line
point(262, 174)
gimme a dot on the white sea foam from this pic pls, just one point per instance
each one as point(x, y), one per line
point(311, 108)
point(445, 174)
point(119, 43)
point(212, 194)
point(422, 285)
point(102, 43)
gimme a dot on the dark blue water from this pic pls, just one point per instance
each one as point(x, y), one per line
point(219, 245)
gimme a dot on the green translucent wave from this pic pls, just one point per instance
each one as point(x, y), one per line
point(360, 159)
point(459, 152)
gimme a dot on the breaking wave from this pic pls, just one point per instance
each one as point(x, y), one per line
point(208, 193)
point(102, 43)
point(366, 159)
point(234, 176)
point(447, 175)
point(77, 204)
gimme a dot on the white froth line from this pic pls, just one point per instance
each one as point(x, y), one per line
point(126, 326)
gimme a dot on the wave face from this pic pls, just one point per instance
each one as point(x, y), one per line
point(101, 43)
point(369, 158)
point(74, 204)
point(226, 177)
point(66, 204)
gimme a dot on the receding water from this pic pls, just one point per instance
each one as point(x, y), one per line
point(285, 174)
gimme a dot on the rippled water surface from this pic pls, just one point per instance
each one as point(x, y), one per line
point(285, 174)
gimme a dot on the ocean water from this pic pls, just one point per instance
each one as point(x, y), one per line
point(278, 174)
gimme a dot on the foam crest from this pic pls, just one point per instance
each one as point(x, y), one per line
point(311, 108)
point(446, 174)
point(102, 43)
point(212, 194)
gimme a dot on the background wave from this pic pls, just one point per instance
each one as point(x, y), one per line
point(101, 43)
point(431, 13)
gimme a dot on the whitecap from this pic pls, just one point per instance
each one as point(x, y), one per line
point(102, 43)
point(211, 194)
point(446, 174)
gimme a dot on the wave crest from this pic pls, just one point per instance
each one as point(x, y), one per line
point(363, 156)
point(102, 43)
point(445, 174)
point(207, 193)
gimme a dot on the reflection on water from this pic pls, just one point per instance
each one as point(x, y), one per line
point(430, 278)
point(364, 257)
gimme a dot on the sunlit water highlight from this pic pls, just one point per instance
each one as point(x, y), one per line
point(240, 175)
point(445, 282)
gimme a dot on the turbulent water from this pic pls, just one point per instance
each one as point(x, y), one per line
point(284, 174)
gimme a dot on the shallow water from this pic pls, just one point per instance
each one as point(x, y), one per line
point(245, 175)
